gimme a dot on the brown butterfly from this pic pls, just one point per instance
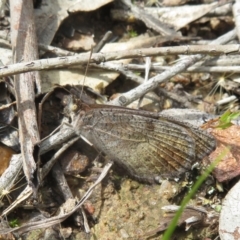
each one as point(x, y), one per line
point(146, 144)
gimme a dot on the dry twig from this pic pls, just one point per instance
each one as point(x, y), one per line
point(24, 45)
point(152, 83)
point(82, 59)
point(62, 215)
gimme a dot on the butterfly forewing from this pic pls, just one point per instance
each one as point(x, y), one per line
point(144, 143)
point(205, 143)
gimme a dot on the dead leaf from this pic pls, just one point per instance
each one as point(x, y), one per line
point(85, 6)
point(229, 166)
point(229, 221)
point(6, 154)
point(174, 2)
point(51, 13)
point(181, 16)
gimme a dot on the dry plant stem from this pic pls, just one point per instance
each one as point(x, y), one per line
point(61, 182)
point(220, 64)
point(65, 134)
point(48, 166)
point(226, 100)
point(209, 69)
point(24, 44)
point(40, 106)
point(197, 215)
point(152, 83)
point(55, 50)
point(62, 216)
point(85, 221)
point(236, 10)
point(25, 194)
point(120, 69)
point(103, 41)
point(8, 177)
point(158, 40)
point(82, 59)
point(63, 187)
point(225, 60)
point(130, 75)
point(147, 70)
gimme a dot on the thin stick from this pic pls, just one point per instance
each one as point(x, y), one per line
point(82, 59)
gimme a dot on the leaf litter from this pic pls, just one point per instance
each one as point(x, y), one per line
point(120, 207)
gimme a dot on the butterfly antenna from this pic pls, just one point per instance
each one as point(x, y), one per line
point(85, 74)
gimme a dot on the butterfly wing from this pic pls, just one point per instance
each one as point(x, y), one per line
point(205, 143)
point(144, 143)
